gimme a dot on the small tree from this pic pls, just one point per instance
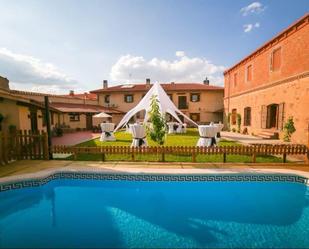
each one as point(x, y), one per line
point(158, 130)
point(238, 122)
point(288, 129)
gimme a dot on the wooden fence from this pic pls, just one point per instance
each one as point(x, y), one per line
point(29, 145)
point(23, 145)
point(193, 151)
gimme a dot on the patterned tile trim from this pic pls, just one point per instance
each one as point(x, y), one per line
point(155, 177)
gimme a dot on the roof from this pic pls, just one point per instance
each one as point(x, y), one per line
point(89, 96)
point(9, 95)
point(274, 40)
point(81, 108)
point(166, 87)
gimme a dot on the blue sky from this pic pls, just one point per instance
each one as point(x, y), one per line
point(64, 44)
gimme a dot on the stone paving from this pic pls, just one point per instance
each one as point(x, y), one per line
point(248, 139)
point(28, 168)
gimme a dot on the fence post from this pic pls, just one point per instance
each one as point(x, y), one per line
point(254, 157)
point(194, 154)
point(132, 154)
point(45, 146)
point(224, 157)
point(284, 157)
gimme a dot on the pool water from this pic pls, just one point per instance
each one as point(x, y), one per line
point(132, 214)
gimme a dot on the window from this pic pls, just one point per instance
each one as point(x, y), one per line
point(275, 60)
point(128, 98)
point(195, 117)
point(233, 117)
point(107, 99)
point(235, 79)
point(195, 97)
point(73, 117)
point(249, 73)
point(247, 116)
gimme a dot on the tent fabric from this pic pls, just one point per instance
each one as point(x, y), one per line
point(102, 115)
point(166, 105)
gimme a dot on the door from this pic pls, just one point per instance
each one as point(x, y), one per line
point(89, 121)
point(182, 102)
point(272, 116)
point(34, 120)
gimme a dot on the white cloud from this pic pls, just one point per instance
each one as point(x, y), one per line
point(249, 27)
point(28, 72)
point(255, 7)
point(180, 53)
point(183, 69)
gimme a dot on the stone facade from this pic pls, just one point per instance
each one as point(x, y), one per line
point(273, 84)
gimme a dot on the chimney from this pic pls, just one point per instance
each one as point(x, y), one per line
point(147, 83)
point(105, 84)
point(4, 83)
point(71, 93)
point(172, 82)
point(206, 81)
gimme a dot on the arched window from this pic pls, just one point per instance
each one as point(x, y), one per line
point(247, 116)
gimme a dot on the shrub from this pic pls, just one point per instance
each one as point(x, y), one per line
point(233, 130)
point(59, 132)
point(238, 120)
point(1, 117)
point(288, 129)
point(158, 130)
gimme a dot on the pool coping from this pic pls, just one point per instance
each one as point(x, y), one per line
point(49, 173)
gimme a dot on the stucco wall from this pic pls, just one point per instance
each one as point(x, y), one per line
point(9, 109)
point(210, 102)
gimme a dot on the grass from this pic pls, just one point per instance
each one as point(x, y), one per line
point(188, 139)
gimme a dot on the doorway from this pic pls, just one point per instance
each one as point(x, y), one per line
point(34, 120)
point(89, 121)
point(272, 116)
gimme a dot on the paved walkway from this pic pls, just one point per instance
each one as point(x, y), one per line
point(74, 138)
point(248, 139)
point(31, 169)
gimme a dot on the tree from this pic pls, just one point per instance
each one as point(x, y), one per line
point(289, 129)
point(158, 129)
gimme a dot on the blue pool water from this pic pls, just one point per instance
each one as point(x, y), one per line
point(122, 214)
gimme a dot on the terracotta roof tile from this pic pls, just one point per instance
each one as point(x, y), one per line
point(166, 86)
point(70, 107)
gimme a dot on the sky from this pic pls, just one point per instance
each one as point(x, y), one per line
point(55, 46)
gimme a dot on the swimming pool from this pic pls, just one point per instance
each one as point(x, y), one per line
point(163, 211)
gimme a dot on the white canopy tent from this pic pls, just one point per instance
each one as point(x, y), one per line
point(102, 115)
point(165, 104)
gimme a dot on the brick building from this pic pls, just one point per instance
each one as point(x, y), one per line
point(272, 84)
point(202, 102)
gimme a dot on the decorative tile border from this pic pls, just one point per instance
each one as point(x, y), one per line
point(154, 177)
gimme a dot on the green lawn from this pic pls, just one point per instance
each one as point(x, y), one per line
point(188, 139)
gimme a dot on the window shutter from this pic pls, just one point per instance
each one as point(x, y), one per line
point(280, 116)
point(263, 116)
point(271, 62)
